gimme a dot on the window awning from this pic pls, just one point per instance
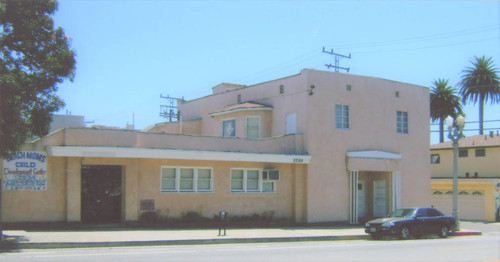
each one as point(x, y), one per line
point(373, 160)
point(247, 106)
point(374, 154)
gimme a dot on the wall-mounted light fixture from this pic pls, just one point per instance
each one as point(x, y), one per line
point(310, 90)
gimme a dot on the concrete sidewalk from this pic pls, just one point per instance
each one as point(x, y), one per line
point(38, 239)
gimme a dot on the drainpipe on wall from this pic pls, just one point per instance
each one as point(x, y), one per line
point(180, 125)
point(1, 226)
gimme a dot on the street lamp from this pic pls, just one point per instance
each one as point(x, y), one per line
point(455, 128)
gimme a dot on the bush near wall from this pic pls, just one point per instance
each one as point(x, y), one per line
point(195, 219)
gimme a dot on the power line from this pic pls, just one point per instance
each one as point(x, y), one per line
point(453, 34)
point(278, 68)
point(468, 130)
point(313, 53)
point(472, 122)
point(427, 47)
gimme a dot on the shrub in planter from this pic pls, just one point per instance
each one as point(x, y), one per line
point(149, 217)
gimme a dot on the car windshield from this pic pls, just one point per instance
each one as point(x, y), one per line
point(405, 212)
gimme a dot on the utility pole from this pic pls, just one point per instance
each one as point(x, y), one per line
point(337, 60)
point(169, 110)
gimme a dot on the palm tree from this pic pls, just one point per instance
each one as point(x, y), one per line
point(480, 83)
point(444, 102)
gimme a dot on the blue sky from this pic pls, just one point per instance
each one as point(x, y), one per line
point(130, 52)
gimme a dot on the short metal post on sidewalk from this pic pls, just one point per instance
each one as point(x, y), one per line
point(222, 223)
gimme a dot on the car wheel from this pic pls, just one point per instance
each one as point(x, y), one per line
point(404, 233)
point(443, 233)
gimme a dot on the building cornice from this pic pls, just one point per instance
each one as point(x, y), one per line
point(132, 152)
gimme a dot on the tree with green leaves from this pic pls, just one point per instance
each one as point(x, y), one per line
point(479, 83)
point(444, 102)
point(34, 58)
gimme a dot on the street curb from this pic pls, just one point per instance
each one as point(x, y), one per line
point(14, 246)
point(9, 246)
point(466, 233)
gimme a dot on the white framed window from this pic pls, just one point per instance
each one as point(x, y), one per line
point(229, 128)
point(186, 179)
point(237, 179)
point(250, 180)
point(402, 122)
point(253, 127)
point(204, 180)
point(168, 179)
point(342, 116)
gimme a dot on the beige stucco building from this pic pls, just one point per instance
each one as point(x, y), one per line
point(478, 177)
point(313, 147)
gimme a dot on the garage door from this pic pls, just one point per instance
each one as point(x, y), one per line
point(470, 203)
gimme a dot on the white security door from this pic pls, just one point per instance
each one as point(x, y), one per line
point(379, 198)
point(291, 123)
point(361, 199)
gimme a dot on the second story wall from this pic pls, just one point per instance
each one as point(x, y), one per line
point(285, 96)
point(478, 158)
point(373, 107)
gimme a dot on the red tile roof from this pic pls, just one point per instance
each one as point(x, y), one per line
point(472, 141)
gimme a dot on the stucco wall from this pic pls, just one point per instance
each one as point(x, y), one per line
point(315, 192)
point(40, 206)
point(208, 204)
point(372, 118)
point(141, 179)
point(487, 166)
point(185, 127)
point(240, 119)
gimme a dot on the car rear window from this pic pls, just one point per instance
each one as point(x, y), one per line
point(432, 212)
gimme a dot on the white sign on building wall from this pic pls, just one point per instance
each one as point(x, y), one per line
point(25, 170)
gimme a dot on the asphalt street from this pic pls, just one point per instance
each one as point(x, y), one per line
point(470, 248)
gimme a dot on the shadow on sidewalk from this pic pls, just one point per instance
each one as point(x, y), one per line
point(11, 243)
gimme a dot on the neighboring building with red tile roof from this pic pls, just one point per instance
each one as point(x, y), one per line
point(478, 172)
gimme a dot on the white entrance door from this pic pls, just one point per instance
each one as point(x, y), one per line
point(361, 199)
point(379, 198)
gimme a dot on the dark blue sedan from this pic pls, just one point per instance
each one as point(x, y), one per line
point(407, 222)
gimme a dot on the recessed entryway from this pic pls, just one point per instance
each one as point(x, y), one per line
point(101, 194)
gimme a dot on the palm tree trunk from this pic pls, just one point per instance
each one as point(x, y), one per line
point(441, 130)
point(481, 113)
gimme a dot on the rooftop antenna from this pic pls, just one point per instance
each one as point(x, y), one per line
point(337, 60)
